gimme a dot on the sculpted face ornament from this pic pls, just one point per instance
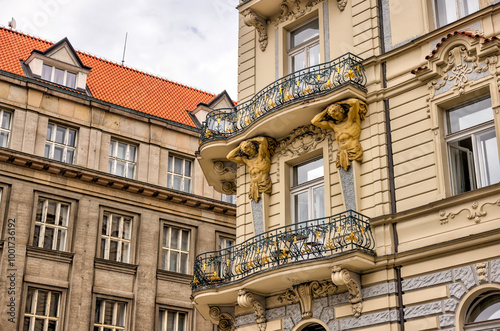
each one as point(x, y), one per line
point(256, 153)
point(344, 118)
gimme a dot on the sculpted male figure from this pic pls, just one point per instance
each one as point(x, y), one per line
point(256, 154)
point(344, 118)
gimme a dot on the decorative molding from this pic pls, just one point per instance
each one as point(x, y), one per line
point(481, 271)
point(229, 187)
point(292, 10)
point(473, 212)
point(121, 267)
point(49, 254)
point(305, 295)
point(223, 167)
point(225, 321)
point(248, 300)
point(341, 4)
point(252, 19)
point(302, 140)
point(341, 276)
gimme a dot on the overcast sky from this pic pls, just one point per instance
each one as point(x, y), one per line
point(193, 42)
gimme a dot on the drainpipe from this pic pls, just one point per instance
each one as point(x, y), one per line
point(400, 298)
point(381, 26)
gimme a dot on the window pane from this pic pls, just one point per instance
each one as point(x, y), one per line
point(122, 150)
point(4, 139)
point(60, 135)
point(309, 171)
point(120, 169)
point(470, 115)
point(112, 147)
point(178, 166)
point(70, 155)
point(184, 264)
point(115, 225)
point(98, 308)
point(177, 183)
point(105, 224)
point(48, 238)
point(164, 259)
point(187, 168)
point(166, 234)
point(46, 72)
point(301, 207)
point(71, 137)
point(125, 252)
point(131, 171)
point(41, 302)
point(174, 238)
point(120, 317)
point(171, 321)
point(104, 248)
point(131, 153)
point(63, 215)
point(471, 6)
point(173, 261)
point(298, 61)
point(36, 236)
point(461, 163)
point(110, 166)
point(169, 181)
point(319, 202)
point(38, 324)
point(58, 153)
point(314, 57)
point(113, 250)
point(61, 239)
point(59, 76)
point(70, 80)
point(51, 212)
point(187, 185)
point(170, 162)
point(126, 228)
point(29, 301)
point(446, 11)
point(54, 304)
point(108, 312)
point(6, 120)
point(488, 158)
point(50, 130)
point(185, 241)
point(182, 322)
point(52, 326)
point(304, 33)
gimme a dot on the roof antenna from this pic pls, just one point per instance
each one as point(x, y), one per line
point(12, 23)
point(124, 48)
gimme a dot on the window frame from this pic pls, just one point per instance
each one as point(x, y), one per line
point(303, 47)
point(114, 159)
point(64, 145)
point(128, 317)
point(9, 130)
point(168, 307)
point(162, 248)
point(477, 181)
point(460, 11)
point(52, 76)
point(171, 174)
point(133, 233)
point(229, 198)
point(71, 216)
point(61, 308)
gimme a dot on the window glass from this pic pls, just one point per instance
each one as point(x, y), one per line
point(122, 159)
point(448, 11)
point(46, 72)
point(179, 173)
point(110, 315)
point(5, 119)
point(59, 76)
point(51, 224)
point(116, 237)
point(484, 308)
point(60, 144)
point(470, 115)
point(172, 320)
point(309, 171)
point(42, 308)
point(71, 80)
point(308, 192)
point(305, 33)
point(175, 249)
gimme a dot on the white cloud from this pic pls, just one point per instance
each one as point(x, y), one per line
point(192, 42)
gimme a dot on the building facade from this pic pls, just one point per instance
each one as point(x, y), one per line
point(364, 153)
point(103, 205)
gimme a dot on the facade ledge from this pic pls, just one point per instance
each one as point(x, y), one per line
point(124, 268)
point(175, 277)
point(49, 254)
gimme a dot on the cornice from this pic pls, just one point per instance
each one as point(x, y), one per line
point(104, 179)
point(49, 254)
point(108, 265)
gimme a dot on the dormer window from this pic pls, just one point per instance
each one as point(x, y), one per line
point(58, 76)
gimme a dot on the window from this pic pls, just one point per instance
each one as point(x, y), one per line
point(179, 174)
point(226, 255)
point(472, 146)
point(60, 144)
point(122, 158)
point(304, 46)
point(5, 119)
point(110, 315)
point(42, 310)
point(308, 192)
point(116, 237)
point(58, 76)
point(51, 224)
point(231, 198)
point(484, 312)
point(448, 11)
point(172, 320)
point(175, 249)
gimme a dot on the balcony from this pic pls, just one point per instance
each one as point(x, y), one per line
point(302, 85)
point(307, 241)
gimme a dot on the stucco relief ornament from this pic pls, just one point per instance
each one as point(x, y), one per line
point(248, 300)
point(256, 154)
point(474, 213)
point(301, 140)
point(252, 19)
point(305, 295)
point(224, 320)
point(344, 118)
point(294, 10)
point(341, 276)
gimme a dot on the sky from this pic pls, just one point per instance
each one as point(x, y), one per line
point(193, 42)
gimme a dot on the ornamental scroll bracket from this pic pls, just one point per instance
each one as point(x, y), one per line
point(473, 213)
point(351, 280)
point(305, 295)
point(291, 9)
point(252, 19)
point(257, 303)
point(224, 320)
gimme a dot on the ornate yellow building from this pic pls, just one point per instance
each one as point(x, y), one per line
point(364, 153)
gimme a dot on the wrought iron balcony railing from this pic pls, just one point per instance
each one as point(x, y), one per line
point(305, 241)
point(305, 83)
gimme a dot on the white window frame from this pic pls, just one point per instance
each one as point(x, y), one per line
point(475, 165)
point(51, 143)
point(308, 187)
point(490, 325)
point(304, 47)
point(107, 238)
point(116, 303)
point(165, 250)
point(171, 174)
point(46, 318)
point(460, 6)
point(43, 225)
point(52, 74)
point(5, 131)
point(114, 159)
point(163, 319)
point(229, 198)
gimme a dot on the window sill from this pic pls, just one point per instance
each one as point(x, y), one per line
point(175, 277)
point(49, 254)
point(124, 268)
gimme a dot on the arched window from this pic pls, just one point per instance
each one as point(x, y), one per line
point(484, 312)
point(314, 327)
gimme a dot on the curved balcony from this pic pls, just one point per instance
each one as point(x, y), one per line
point(300, 85)
point(306, 241)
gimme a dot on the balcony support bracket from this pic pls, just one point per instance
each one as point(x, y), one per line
point(341, 276)
point(224, 320)
point(252, 19)
point(258, 303)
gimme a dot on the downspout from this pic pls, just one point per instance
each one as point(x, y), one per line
point(399, 285)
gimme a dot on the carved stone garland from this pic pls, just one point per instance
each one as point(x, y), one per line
point(305, 294)
point(224, 320)
point(342, 276)
point(252, 19)
point(247, 300)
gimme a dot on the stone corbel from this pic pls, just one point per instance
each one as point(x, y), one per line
point(224, 320)
point(341, 276)
point(341, 4)
point(249, 300)
point(252, 19)
point(306, 293)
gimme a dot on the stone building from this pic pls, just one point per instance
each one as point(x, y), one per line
point(103, 206)
point(364, 153)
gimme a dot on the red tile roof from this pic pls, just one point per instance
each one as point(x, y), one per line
point(112, 82)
